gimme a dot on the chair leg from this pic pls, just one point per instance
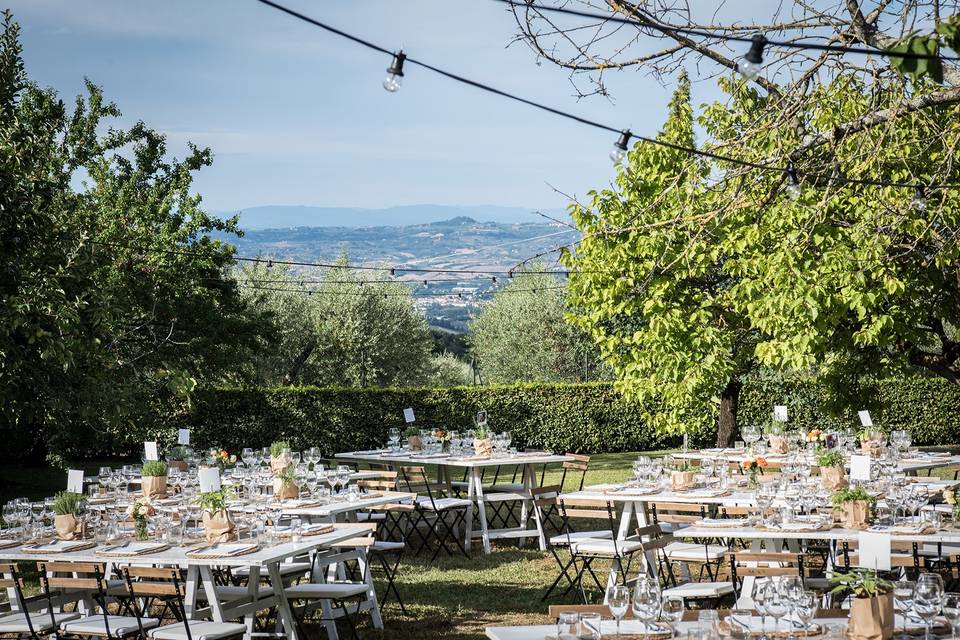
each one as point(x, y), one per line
point(391, 573)
point(563, 573)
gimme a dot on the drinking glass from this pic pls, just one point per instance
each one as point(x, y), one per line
point(951, 611)
point(343, 476)
point(739, 625)
point(567, 623)
point(903, 599)
point(589, 626)
point(759, 596)
point(776, 604)
point(926, 604)
point(646, 603)
point(618, 599)
point(805, 609)
point(673, 612)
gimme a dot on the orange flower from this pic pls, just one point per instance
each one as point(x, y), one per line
point(762, 462)
point(746, 464)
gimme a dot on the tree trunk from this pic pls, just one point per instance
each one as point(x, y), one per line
point(294, 372)
point(729, 403)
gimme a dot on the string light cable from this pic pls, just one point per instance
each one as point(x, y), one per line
point(624, 136)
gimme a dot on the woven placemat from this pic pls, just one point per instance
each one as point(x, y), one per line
point(65, 549)
point(312, 532)
point(145, 552)
point(813, 630)
point(201, 555)
point(656, 635)
point(9, 544)
point(631, 492)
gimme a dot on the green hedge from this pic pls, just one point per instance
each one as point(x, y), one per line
point(588, 418)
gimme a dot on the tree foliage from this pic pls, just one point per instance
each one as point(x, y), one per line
point(352, 331)
point(693, 271)
point(521, 335)
point(94, 327)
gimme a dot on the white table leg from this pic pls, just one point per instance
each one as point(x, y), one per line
point(478, 492)
point(209, 586)
point(283, 605)
point(364, 565)
point(624, 531)
point(471, 496)
point(529, 484)
point(253, 588)
point(190, 596)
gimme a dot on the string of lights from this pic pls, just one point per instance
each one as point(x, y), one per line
point(728, 37)
point(387, 294)
point(392, 270)
point(749, 67)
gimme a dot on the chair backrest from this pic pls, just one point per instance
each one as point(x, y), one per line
point(577, 468)
point(545, 496)
point(904, 555)
point(764, 564)
point(386, 481)
point(585, 509)
point(164, 583)
point(84, 576)
point(677, 512)
point(417, 481)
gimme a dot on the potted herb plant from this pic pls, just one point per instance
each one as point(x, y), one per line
point(177, 457)
point(682, 476)
point(951, 498)
point(280, 456)
point(68, 509)
point(871, 607)
point(412, 434)
point(776, 437)
point(833, 474)
point(153, 479)
point(482, 444)
point(218, 524)
point(854, 505)
point(284, 485)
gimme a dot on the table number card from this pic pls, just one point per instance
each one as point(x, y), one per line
point(209, 480)
point(780, 413)
point(865, 419)
point(860, 468)
point(875, 550)
point(183, 436)
point(150, 451)
point(482, 418)
point(408, 415)
point(75, 481)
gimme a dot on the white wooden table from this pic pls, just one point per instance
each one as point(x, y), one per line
point(909, 464)
point(200, 574)
point(475, 494)
point(607, 629)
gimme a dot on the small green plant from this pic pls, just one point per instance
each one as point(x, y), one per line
point(179, 452)
point(852, 494)
point(154, 468)
point(776, 428)
point(829, 458)
point(277, 447)
point(286, 476)
point(66, 503)
point(863, 583)
point(481, 432)
point(213, 501)
point(410, 432)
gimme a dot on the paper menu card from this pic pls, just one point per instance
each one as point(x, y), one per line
point(150, 451)
point(209, 480)
point(408, 415)
point(860, 468)
point(780, 413)
point(183, 436)
point(865, 419)
point(875, 550)
point(75, 481)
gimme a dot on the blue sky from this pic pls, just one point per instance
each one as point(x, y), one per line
point(295, 115)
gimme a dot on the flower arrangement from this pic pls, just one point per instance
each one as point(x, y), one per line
point(754, 466)
point(816, 435)
point(141, 511)
point(223, 459)
point(441, 435)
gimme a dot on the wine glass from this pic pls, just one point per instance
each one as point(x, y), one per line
point(248, 456)
point(805, 609)
point(618, 599)
point(777, 605)
point(672, 609)
point(759, 596)
point(927, 602)
point(951, 611)
point(646, 603)
point(903, 599)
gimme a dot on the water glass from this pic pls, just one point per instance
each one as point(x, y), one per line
point(568, 623)
point(951, 611)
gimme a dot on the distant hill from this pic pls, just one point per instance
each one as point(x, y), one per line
point(287, 217)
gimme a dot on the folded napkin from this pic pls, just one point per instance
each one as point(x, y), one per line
point(468, 458)
point(223, 550)
point(916, 624)
point(632, 627)
point(904, 529)
point(58, 546)
point(703, 493)
point(133, 548)
point(722, 522)
point(785, 625)
point(429, 455)
point(371, 452)
point(300, 503)
point(632, 491)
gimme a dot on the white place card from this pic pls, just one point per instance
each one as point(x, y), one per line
point(875, 550)
point(408, 415)
point(860, 468)
point(150, 451)
point(183, 436)
point(209, 479)
point(481, 418)
point(75, 481)
point(780, 413)
point(865, 419)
